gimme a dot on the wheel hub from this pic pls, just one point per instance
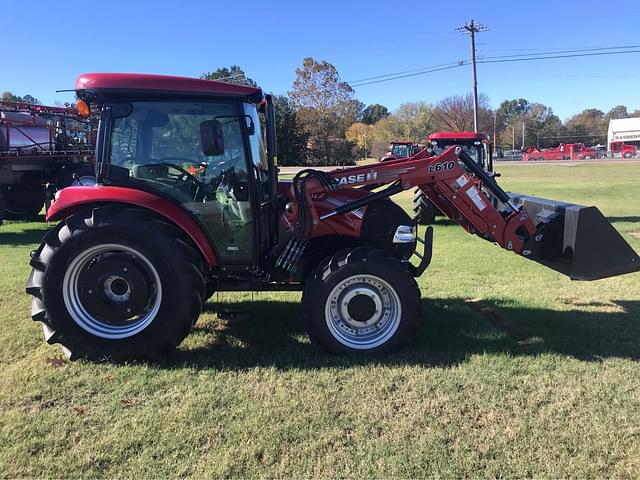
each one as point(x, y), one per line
point(363, 311)
point(361, 306)
point(117, 289)
point(112, 291)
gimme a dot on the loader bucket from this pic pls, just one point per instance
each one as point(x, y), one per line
point(575, 240)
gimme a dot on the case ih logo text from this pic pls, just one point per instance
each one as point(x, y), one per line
point(362, 177)
point(441, 167)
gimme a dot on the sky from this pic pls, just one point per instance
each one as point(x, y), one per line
point(48, 44)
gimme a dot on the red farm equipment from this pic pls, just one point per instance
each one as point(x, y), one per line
point(565, 151)
point(476, 145)
point(42, 149)
point(401, 149)
point(126, 270)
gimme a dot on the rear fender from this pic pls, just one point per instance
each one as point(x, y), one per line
point(73, 199)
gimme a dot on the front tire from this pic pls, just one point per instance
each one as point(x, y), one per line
point(424, 210)
point(115, 283)
point(361, 301)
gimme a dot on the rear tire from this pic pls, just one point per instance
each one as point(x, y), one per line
point(424, 210)
point(361, 301)
point(116, 283)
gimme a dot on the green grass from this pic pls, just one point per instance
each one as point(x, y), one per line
point(540, 376)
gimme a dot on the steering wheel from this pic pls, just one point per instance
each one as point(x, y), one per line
point(186, 176)
point(185, 180)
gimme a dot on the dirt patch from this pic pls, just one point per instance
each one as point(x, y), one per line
point(497, 320)
point(635, 234)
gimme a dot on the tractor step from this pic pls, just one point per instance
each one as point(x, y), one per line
point(575, 240)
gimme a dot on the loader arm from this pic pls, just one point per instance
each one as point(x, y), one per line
point(462, 196)
point(572, 239)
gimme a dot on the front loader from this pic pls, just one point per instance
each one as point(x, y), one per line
point(188, 202)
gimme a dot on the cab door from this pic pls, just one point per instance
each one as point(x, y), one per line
point(159, 143)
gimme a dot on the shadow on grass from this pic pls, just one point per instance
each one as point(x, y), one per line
point(442, 220)
point(449, 333)
point(624, 219)
point(22, 237)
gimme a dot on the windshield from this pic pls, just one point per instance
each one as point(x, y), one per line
point(169, 133)
point(401, 151)
point(479, 153)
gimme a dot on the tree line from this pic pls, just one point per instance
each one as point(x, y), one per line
point(321, 122)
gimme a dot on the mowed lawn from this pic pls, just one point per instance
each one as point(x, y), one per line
point(515, 371)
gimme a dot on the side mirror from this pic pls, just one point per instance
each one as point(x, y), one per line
point(251, 127)
point(211, 138)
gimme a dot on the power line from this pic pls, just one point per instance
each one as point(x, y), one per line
point(403, 72)
point(570, 50)
point(494, 59)
point(455, 65)
point(529, 59)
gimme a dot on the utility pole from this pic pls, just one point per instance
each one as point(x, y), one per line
point(523, 135)
point(471, 28)
point(513, 137)
point(364, 156)
point(494, 133)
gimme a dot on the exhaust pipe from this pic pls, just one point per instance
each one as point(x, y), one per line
point(575, 240)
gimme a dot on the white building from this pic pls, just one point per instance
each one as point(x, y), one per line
point(624, 129)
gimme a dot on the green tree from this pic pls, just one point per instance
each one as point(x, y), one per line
point(541, 126)
point(587, 126)
point(509, 109)
point(383, 132)
point(10, 97)
point(233, 74)
point(325, 107)
point(416, 120)
point(360, 134)
point(30, 99)
point(619, 111)
point(292, 139)
point(372, 113)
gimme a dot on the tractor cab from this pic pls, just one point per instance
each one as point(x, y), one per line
point(198, 144)
point(401, 149)
point(476, 145)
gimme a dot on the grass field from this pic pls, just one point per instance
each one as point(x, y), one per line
point(515, 371)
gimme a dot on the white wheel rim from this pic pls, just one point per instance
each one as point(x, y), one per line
point(71, 291)
point(366, 332)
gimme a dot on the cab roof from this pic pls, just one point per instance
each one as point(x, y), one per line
point(458, 136)
point(163, 84)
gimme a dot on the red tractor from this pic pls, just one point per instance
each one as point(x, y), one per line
point(188, 202)
point(401, 149)
point(476, 145)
